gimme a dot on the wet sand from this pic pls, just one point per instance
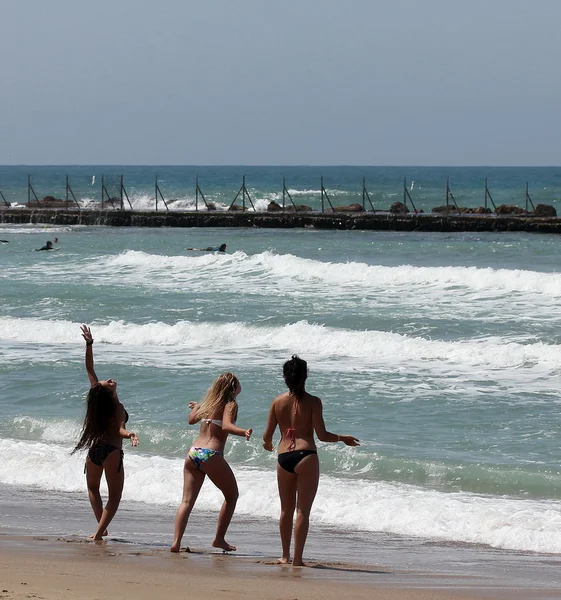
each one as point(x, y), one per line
point(62, 568)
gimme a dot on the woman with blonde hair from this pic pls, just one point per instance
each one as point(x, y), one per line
point(217, 414)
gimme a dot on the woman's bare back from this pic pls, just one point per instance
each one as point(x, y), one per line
point(296, 415)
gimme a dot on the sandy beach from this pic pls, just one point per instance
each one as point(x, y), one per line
point(65, 568)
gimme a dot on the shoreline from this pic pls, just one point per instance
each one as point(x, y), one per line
point(50, 530)
point(61, 568)
point(383, 221)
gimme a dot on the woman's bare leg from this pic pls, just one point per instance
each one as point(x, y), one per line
point(115, 477)
point(286, 482)
point(220, 473)
point(193, 480)
point(307, 471)
point(93, 479)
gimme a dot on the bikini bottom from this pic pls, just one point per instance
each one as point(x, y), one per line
point(289, 460)
point(98, 454)
point(199, 456)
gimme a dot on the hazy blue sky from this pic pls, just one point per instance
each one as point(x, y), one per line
point(377, 82)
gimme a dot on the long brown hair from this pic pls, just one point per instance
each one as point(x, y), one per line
point(101, 410)
point(220, 393)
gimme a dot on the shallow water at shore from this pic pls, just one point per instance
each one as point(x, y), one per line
point(440, 352)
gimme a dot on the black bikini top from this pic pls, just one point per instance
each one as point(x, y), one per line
point(126, 415)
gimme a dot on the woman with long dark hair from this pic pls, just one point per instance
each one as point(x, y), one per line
point(298, 414)
point(217, 414)
point(102, 435)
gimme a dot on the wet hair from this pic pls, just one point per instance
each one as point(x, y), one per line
point(222, 247)
point(101, 410)
point(220, 393)
point(295, 373)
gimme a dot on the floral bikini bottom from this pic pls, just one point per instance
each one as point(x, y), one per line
point(199, 456)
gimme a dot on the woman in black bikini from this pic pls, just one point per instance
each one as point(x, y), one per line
point(298, 414)
point(102, 434)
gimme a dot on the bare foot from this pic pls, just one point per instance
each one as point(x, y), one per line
point(284, 561)
point(92, 536)
point(175, 548)
point(95, 537)
point(224, 545)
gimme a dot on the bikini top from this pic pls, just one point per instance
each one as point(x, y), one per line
point(215, 421)
point(126, 415)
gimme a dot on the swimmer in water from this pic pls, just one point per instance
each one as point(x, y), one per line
point(47, 246)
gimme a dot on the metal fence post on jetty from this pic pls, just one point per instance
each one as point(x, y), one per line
point(197, 192)
point(69, 191)
point(326, 195)
point(488, 195)
point(123, 192)
point(365, 195)
point(4, 199)
point(103, 191)
point(157, 191)
point(449, 195)
point(285, 193)
point(243, 191)
point(528, 199)
point(406, 195)
point(30, 190)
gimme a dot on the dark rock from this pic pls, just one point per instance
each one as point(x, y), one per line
point(509, 209)
point(299, 208)
point(442, 209)
point(544, 210)
point(398, 208)
point(274, 207)
point(236, 207)
point(351, 208)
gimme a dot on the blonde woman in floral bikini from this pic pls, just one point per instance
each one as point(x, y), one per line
point(217, 414)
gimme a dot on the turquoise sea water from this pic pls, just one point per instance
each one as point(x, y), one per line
point(441, 352)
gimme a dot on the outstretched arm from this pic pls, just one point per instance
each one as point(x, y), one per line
point(321, 431)
point(270, 429)
point(87, 335)
point(228, 425)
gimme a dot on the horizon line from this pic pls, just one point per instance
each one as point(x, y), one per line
point(280, 166)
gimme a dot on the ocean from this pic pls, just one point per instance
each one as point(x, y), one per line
point(440, 352)
point(343, 186)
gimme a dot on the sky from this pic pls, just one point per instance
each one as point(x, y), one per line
point(297, 82)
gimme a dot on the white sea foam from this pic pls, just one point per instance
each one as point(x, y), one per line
point(347, 275)
point(347, 505)
point(268, 273)
point(342, 349)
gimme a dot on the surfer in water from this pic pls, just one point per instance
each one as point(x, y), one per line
point(221, 248)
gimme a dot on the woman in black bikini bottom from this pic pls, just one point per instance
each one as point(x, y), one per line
point(298, 414)
point(102, 435)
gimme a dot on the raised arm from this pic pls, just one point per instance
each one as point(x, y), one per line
point(321, 431)
point(270, 428)
point(87, 335)
point(228, 425)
